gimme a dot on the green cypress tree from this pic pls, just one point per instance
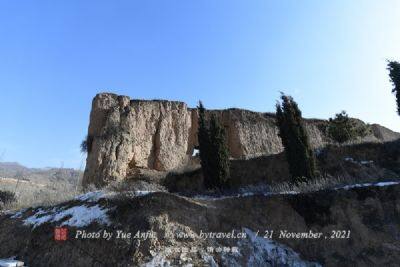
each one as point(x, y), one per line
point(295, 140)
point(394, 74)
point(214, 155)
point(219, 154)
point(203, 137)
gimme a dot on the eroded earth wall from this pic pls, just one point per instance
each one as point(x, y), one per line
point(125, 134)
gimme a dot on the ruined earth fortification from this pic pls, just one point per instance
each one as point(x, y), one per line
point(125, 134)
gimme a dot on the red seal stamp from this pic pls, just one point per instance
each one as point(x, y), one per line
point(60, 234)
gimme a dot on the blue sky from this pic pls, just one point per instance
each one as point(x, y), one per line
point(56, 55)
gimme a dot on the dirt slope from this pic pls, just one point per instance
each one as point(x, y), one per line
point(371, 214)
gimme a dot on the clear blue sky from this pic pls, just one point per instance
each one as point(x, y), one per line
point(56, 55)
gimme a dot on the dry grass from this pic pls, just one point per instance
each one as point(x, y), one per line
point(318, 184)
point(31, 195)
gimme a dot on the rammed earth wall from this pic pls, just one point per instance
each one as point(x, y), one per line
point(161, 135)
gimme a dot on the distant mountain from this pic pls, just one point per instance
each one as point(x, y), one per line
point(10, 169)
point(38, 175)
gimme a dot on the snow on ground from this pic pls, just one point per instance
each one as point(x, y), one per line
point(208, 259)
point(366, 162)
point(158, 260)
point(84, 214)
point(161, 259)
point(362, 162)
point(252, 251)
point(77, 216)
point(18, 214)
point(140, 193)
point(246, 192)
point(243, 194)
point(386, 183)
point(97, 195)
point(380, 184)
point(10, 263)
point(258, 251)
point(91, 196)
point(7, 212)
point(80, 215)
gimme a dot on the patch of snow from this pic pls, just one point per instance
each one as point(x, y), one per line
point(7, 212)
point(247, 194)
point(139, 193)
point(243, 194)
point(159, 259)
point(18, 214)
point(258, 251)
point(78, 216)
point(380, 184)
point(366, 162)
point(210, 197)
point(11, 262)
point(82, 216)
point(37, 219)
point(362, 162)
point(347, 187)
point(265, 192)
point(386, 183)
point(286, 193)
point(97, 195)
point(91, 196)
point(256, 188)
